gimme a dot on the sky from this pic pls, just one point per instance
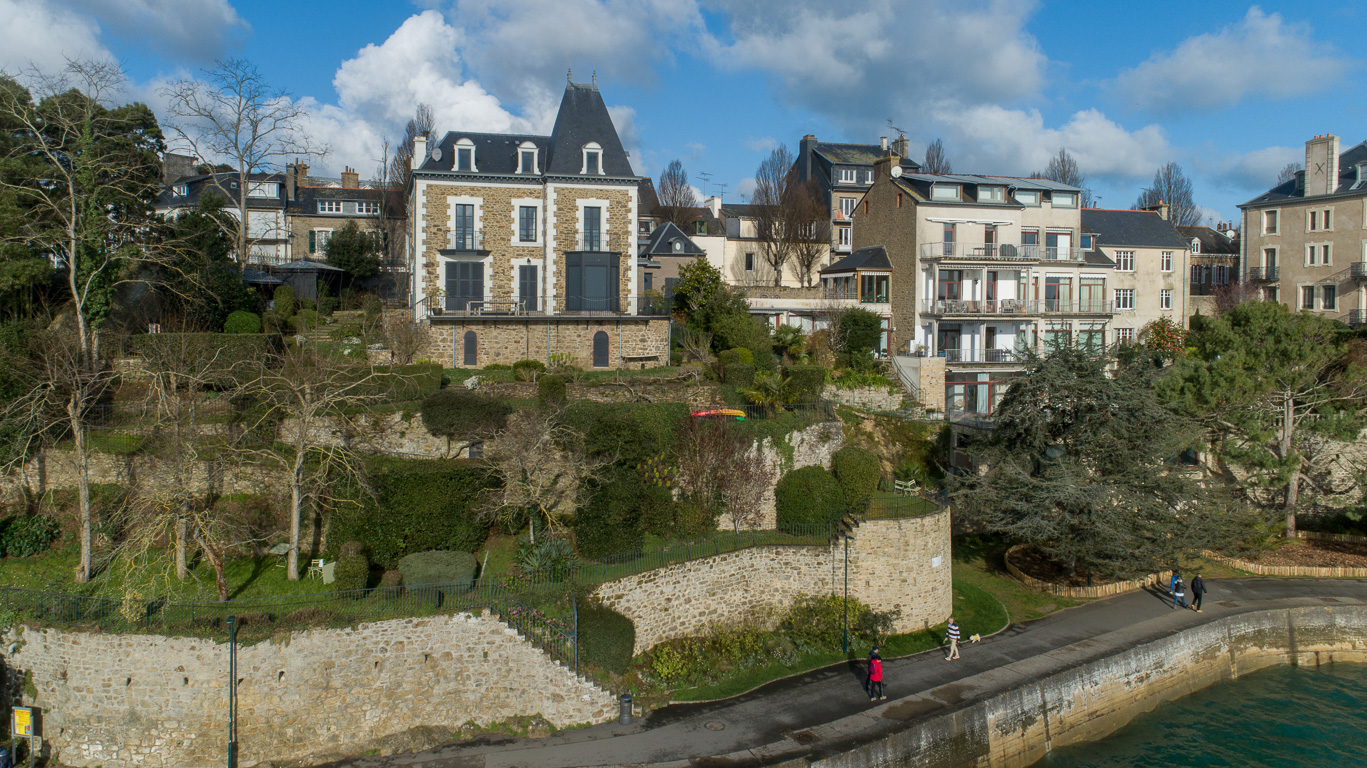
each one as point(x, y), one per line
point(1228, 90)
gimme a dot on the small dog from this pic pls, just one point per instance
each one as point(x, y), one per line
point(975, 638)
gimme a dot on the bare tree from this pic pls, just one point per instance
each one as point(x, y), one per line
point(1064, 169)
point(767, 201)
point(808, 225)
point(543, 466)
point(1171, 186)
point(936, 160)
point(1287, 173)
point(233, 115)
point(1231, 295)
point(405, 337)
point(720, 467)
point(400, 173)
point(677, 200)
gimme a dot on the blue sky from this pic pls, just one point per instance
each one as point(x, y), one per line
point(1229, 90)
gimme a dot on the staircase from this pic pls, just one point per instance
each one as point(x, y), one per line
point(340, 319)
point(909, 374)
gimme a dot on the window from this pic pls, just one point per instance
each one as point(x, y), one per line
point(368, 208)
point(463, 227)
point(647, 277)
point(1270, 293)
point(526, 223)
point(600, 349)
point(465, 155)
point(699, 227)
point(644, 226)
point(1027, 197)
point(1124, 299)
point(1307, 297)
point(1087, 242)
point(1317, 255)
point(1312, 217)
point(1058, 293)
point(464, 284)
point(1124, 335)
point(1065, 200)
point(527, 286)
point(181, 190)
point(844, 233)
point(329, 206)
point(470, 348)
point(1195, 245)
point(1124, 261)
point(847, 206)
point(948, 240)
point(1269, 222)
point(1195, 274)
point(1329, 296)
point(593, 158)
point(526, 157)
point(591, 281)
point(990, 236)
point(593, 233)
point(944, 192)
point(868, 176)
point(1165, 298)
point(1165, 261)
point(749, 262)
point(991, 194)
point(847, 176)
point(1328, 221)
point(1221, 274)
point(321, 237)
point(899, 199)
point(1270, 257)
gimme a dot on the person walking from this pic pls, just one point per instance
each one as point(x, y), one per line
point(952, 637)
point(1172, 583)
point(875, 682)
point(1179, 592)
point(1198, 588)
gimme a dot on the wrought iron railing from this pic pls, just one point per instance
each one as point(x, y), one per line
point(1000, 252)
point(1262, 274)
point(980, 307)
point(447, 305)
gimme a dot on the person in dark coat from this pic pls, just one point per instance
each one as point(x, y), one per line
point(1198, 588)
point(875, 682)
point(1179, 592)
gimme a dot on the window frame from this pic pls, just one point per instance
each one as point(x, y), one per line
point(1165, 298)
point(329, 206)
point(1329, 295)
point(464, 145)
point(1035, 193)
point(1272, 215)
point(1128, 303)
point(367, 208)
point(955, 189)
point(1070, 197)
point(1165, 261)
point(524, 149)
point(522, 231)
point(853, 205)
point(848, 176)
point(1307, 297)
point(1123, 258)
point(593, 151)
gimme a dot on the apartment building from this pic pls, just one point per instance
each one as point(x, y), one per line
point(1304, 242)
point(267, 229)
point(526, 246)
point(1214, 264)
point(1151, 258)
point(985, 267)
point(842, 173)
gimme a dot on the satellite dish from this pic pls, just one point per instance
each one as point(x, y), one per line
point(896, 171)
point(436, 153)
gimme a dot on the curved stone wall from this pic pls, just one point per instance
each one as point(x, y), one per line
point(1100, 590)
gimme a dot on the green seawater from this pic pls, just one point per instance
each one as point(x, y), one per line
point(1281, 717)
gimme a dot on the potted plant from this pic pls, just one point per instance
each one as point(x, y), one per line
point(436, 301)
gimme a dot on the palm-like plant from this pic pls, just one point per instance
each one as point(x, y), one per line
point(771, 391)
point(790, 341)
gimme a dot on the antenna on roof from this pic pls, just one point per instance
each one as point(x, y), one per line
point(721, 191)
point(569, 76)
point(892, 127)
point(706, 177)
point(595, 78)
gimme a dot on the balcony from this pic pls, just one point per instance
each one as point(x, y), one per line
point(985, 356)
point(1262, 274)
point(835, 294)
point(1057, 307)
point(999, 252)
point(464, 241)
point(1356, 318)
point(1358, 270)
point(976, 307)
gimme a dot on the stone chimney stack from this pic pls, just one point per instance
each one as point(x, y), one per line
point(1161, 208)
point(290, 188)
point(351, 179)
point(713, 204)
point(806, 149)
point(901, 147)
point(1321, 165)
point(419, 151)
point(883, 143)
point(882, 167)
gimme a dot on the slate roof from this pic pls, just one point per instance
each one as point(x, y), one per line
point(303, 265)
point(1131, 228)
point(1348, 183)
point(257, 277)
point(855, 154)
point(874, 257)
point(739, 210)
point(495, 153)
point(1212, 242)
point(662, 240)
point(223, 184)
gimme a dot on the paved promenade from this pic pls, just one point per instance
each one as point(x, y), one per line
point(827, 711)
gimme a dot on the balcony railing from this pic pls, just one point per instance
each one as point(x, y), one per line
point(854, 295)
point(981, 356)
point(1262, 274)
point(1057, 307)
point(1358, 270)
point(976, 307)
point(1000, 252)
point(535, 306)
point(1357, 317)
point(466, 240)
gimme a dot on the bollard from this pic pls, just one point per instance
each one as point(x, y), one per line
point(625, 716)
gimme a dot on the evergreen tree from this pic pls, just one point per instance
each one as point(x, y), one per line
point(354, 250)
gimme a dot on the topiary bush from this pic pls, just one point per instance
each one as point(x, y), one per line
point(526, 370)
point(739, 375)
point(808, 382)
point(610, 523)
point(463, 414)
point(737, 355)
point(550, 389)
point(285, 301)
point(242, 321)
point(765, 360)
point(439, 567)
point(858, 471)
point(27, 536)
point(808, 496)
point(607, 639)
point(327, 305)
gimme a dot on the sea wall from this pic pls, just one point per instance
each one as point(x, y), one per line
point(1016, 728)
point(900, 565)
point(144, 700)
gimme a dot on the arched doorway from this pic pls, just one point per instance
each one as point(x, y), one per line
point(600, 349)
point(471, 348)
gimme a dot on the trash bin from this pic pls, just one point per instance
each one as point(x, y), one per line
point(625, 716)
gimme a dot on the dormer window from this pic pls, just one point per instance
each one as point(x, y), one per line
point(1027, 196)
point(991, 194)
point(465, 155)
point(1064, 200)
point(1195, 245)
point(847, 176)
point(944, 192)
point(593, 158)
point(526, 158)
point(181, 190)
point(678, 247)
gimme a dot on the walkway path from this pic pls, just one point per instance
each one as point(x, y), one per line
point(826, 711)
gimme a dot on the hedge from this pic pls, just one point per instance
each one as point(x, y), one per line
point(285, 301)
point(808, 382)
point(242, 321)
point(27, 536)
point(439, 567)
point(610, 523)
point(351, 573)
point(739, 375)
point(463, 414)
point(630, 433)
point(526, 370)
point(808, 496)
point(607, 639)
point(418, 505)
point(550, 389)
point(737, 355)
point(858, 471)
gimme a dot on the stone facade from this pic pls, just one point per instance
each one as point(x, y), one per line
point(813, 446)
point(55, 469)
point(873, 398)
point(632, 341)
point(900, 565)
point(141, 700)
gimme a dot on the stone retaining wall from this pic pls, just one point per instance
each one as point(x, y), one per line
point(143, 700)
point(1101, 590)
point(1322, 572)
point(872, 398)
point(900, 565)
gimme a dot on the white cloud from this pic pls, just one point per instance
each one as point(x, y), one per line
point(1249, 172)
point(1259, 57)
point(764, 144)
point(745, 188)
point(198, 30)
point(40, 34)
point(1016, 142)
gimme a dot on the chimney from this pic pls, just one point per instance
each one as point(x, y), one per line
point(289, 182)
point(1161, 208)
point(902, 146)
point(883, 143)
point(806, 148)
point(351, 179)
point(882, 167)
point(419, 151)
point(713, 204)
point(1321, 165)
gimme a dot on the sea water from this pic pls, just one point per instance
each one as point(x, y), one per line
point(1282, 717)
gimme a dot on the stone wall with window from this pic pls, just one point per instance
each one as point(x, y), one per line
point(497, 222)
point(617, 229)
point(632, 342)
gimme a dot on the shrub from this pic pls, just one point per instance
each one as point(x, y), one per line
point(550, 558)
point(737, 355)
point(463, 414)
point(372, 307)
point(497, 367)
point(629, 433)
point(808, 496)
point(242, 321)
point(808, 382)
point(610, 522)
point(305, 319)
point(818, 622)
point(351, 573)
point(607, 639)
point(675, 357)
point(27, 536)
point(439, 567)
point(526, 370)
point(682, 519)
point(858, 471)
point(739, 375)
point(285, 302)
point(327, 305)
point(765, 359)
point(391, 579)
point(550, 389)
point(860, 329)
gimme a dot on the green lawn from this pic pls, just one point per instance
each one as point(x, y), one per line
point(978, 561)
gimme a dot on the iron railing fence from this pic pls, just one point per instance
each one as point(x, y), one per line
point(537, 306)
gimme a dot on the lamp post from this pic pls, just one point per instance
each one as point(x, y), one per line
point(232, 692)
